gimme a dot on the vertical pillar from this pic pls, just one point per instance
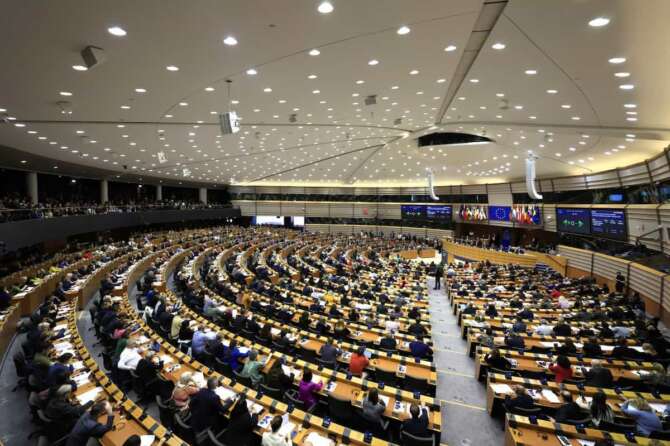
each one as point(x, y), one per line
point(203, 195)
point(159, 192)
point(104, 191)
point(31, 183)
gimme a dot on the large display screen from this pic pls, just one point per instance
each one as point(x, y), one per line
point(438, 212)
point(526, 214)
point(577, 221)
point(499, 213)
point(608, 223)
point(298, 222)
point(268, 220)
point(412, 212)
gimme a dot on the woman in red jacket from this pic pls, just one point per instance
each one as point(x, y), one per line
point(561, 369)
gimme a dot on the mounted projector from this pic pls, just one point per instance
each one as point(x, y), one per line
point(371, 100)
point(93, 56)
point(162, 158)
point(229, 122)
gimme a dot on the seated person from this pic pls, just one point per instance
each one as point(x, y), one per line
point(496, 361)
point(521, 400)
point(87, 426)
point(599, 376)
point(308, 391)
point(569, 410)
point(358, 362)
point(646, 419)
point(420, 349)
point(562, 369)
point(329, 353)
point(252, 368)
point(387, 342)
point(373, 411)
point(591, 348)
point(417, 424)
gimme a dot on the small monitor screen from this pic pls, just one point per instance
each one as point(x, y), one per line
point(298, 221)
point(577, 221)
point(499, 213)
point(438, 212)
point(609, 223)
point(615, 198)
point(412, 212)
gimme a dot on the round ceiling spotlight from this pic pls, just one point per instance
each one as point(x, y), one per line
point(403, 30)
point(599, 22)
point(325, 7)
point(230, 41)
point(117, 31)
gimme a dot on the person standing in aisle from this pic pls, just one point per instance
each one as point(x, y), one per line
point(439, 272)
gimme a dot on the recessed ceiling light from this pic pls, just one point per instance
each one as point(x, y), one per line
point(314, 52)
point(252, 72)
point(631, 119)
point(403, 30)
point(2, 110)
point(79, 67)
point(441, 81)
point(316, 91)
point(566, 106)
point(125, 107)
point(617, 60)
point(234, 102)
point(531, 72)
point(19, 124)
point(558, 154)
point(631, 112)
point(551, 91)
point(79, 132)
point(172, 68)
point(373, 62)
point(65, 93)
point(622, 74)
point(230, 41)
point(395, 87)
point(630, 135)
point(498, 46)
point(325, 8)
point(575, 118)
point(518, 107)
point(627, 86)
point(359, 82)
point(267, 90)
point(599, 22)
point(183, 104)
point(209, 88)
point(474, 81)
point(312, 76)
point(629, 105)
point(23, 161)
point(413, 72)
point(450, 48)
point(117, 31)
point(140, 90)
point(572, 149)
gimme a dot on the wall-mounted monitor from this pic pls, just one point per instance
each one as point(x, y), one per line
point(442, 213)
point(610, 223)
point(499, 213)
point(298, 221)
point(574, 220)
point(412, 212)
point(615, 198)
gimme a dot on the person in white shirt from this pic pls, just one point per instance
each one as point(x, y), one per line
point(273, 437)
point(544, 329)
point(392, 326)
point(129, 357)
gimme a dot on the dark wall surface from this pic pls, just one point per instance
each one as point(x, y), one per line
point(19, 234)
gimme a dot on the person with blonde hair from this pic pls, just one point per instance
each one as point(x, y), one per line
point(646, 419)
point(185, 387)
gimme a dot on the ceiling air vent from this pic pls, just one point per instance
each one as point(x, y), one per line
point(448, 138)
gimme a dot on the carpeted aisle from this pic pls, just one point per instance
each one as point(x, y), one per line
point(464, 418)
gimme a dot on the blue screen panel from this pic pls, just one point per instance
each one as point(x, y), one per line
point(577, 221)
point(609, 223)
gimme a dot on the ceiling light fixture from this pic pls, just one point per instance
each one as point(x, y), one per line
point(314, 52)
point(627, 86)
point(498, 46)
point(551, 91)
point(209, 89)
point(117, 31)
point(65, 93)
point(172, 68)
point(403, 30)
point(629, 105)
point(230, 41)
point(531, 72)
point(617, 60)
point(79, 67)
point(140, 90)
point(599, 22)
point(312, 76)
point(450, 48)
point(252, 72)
point(373, 62)
point(325, 7)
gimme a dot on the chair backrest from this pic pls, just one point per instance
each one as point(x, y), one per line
point(526, 412)
point(292, 396)
point(242, 379)
point(216, 439)
point(416, 384)
point(385, 377)
point(339, 408)
point(413, 440)
point(272, 391)
point(660, 435)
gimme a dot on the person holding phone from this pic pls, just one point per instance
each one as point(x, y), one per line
point(273, 437)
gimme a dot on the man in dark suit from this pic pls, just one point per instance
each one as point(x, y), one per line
point(569, 410)
point(147, 372)
point(521, 400)
point(599, 376)
point(417, 425)
point(88, 427)
point(206, 407)
point(387, 342)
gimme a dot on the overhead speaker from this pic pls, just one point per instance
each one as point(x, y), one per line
point(293, 117)
point(397, 121)
point(530, 177)
point(371, 100)
point(229, 122)
point(93, 56)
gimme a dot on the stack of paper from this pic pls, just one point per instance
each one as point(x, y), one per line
point(147, 440)
point(89, 396)
point(199, 379)
point(224, 393)
point(550, 396)
point(317, 440)
point(503, 389)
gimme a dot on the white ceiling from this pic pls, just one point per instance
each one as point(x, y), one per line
point(337, 139)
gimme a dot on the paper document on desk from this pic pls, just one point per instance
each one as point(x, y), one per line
point(166, 359)
point(658, 407)
point(147, 440)
point(550, 396)
point(89, 396)
point(254, 407)
point(586, 442)
point(78, 365)
point(502, 388)
point(81, 379)
point(264, 422)
point(286, 426)
point(385, 399)
point(224, 393)
point(317, 440)
point(607, 348)
point(199, 379)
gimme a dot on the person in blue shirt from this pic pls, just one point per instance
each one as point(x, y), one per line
point(59, 372)
point(419, 349)
point(646, 420)
point(200, 338)
point(88, 427)
point(233, 355)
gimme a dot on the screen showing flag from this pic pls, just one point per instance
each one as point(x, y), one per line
point(499, 213)
point(526, 215)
